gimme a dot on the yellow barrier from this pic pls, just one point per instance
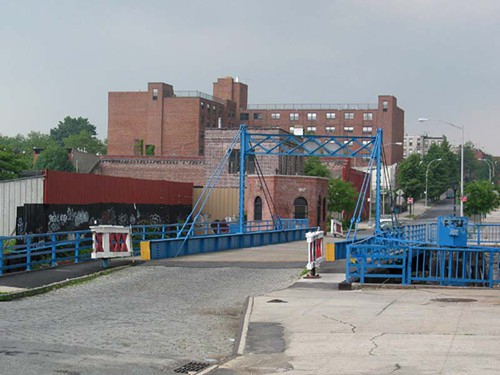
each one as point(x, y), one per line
point(330, 252)
point(145, 250)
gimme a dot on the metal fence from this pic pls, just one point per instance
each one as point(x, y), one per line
point(484, 233)
point(409, 260)
point(34, 251)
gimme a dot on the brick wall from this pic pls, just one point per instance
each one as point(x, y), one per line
point(127, 121)
point(188, 170)
point(284, 190)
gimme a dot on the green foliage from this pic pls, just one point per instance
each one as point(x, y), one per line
point(482, 198)
point(71, 126)
point(138, 147)
point(342, 196)
point(85, 141)
point(54, 158)
point(411, 176)
point(314, 167)
point(150, 150)
point(11, 164)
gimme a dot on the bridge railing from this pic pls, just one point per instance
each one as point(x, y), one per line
point(487, 233)
point(385, 258)
point(469, 266)
point(33, 251)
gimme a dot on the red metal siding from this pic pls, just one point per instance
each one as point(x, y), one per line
point(77, 188)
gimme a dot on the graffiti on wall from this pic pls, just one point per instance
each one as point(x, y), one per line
point(39, 218)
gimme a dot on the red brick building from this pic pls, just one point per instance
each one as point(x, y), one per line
point(167, 134)
point(296, 197)
point(166, 122)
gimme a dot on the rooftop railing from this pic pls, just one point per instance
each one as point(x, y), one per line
point(198, 94)
point(292, 107)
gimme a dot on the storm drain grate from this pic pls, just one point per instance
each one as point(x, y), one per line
point(277, 301)
point(454, 300)
point(192, 367)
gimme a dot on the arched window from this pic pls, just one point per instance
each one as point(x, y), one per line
point(300, 205)
point(257, 208)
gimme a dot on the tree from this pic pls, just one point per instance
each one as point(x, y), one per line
point(482, 198)
point(54, 158)
point(71, 126)
point(342, 196)
point(11, 164)
point(314, 167)
point(411, 176)
point(86, 142)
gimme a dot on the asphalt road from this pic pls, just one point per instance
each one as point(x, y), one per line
point(139, 320)
point(440, 208)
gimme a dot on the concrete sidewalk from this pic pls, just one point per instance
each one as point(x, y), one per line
point(312, 328)
point(53, 276)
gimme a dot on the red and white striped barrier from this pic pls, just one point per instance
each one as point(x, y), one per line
point(111, 241)
point(336, 226)
point(315, 252)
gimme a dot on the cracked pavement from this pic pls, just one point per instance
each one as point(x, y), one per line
point(376, 331)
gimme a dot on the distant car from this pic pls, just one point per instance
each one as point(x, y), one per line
point(385, 223)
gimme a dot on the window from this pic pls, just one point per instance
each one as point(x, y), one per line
point(349, 115)
point(257, 116)
point(294, 116)
point(311, 128)
point(330, 116)
point(244, 116)
point(349, 143)
point(234, 163)
point(368, 116)
point(311, 116)
point(300, 208)
point(385, 105)
point(367, 129)
point(202, 104)
point(348, 129)
point(138, 147)
point(365, 143)
point(330, 129)
point(275, 116)
point(155, 94)
point(257, 208)
point(292, 129)
point(150, 149)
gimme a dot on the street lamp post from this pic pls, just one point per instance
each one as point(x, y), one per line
point(424, 119)
point(427, 180)
point(489, 169)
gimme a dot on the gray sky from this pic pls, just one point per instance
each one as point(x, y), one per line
point(440, 58)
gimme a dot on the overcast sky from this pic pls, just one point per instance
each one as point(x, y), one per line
point(440, 58)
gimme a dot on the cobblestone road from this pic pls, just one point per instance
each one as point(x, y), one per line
point(141, 320)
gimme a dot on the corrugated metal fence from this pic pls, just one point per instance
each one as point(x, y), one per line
point(16, 193)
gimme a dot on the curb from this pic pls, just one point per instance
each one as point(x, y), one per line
point(58, 285)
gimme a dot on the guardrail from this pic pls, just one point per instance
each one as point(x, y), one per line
point(487, 233)
point(425, 263)
point(33, 251)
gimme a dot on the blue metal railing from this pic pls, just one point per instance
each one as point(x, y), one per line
point(32, 251)
point(410, 254)
point(424, 264)
point(483, 233)
point(453, 266)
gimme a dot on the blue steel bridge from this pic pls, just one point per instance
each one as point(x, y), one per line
point(451, 252)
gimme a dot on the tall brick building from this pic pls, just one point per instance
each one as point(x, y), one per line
point(167, 134)
point(164, 122)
